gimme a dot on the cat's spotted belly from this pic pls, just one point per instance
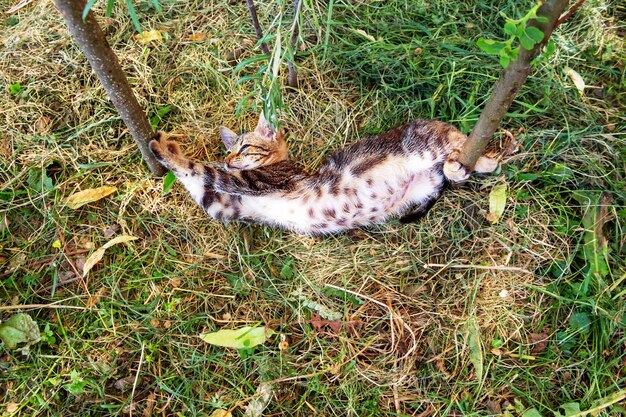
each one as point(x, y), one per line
point(317, 212)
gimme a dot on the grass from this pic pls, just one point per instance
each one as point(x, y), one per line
point(423, 306)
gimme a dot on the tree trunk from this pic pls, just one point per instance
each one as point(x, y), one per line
point(292, 78)
point(257, 26)
point(89, 37)
point(506, 88)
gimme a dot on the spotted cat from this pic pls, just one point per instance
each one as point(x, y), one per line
point(398, 173)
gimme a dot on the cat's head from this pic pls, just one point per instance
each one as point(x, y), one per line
point(261, 147)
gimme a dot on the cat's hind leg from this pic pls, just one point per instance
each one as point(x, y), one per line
point(454, 170)
point(419, 212)
point(494, 154)
point(424, 207)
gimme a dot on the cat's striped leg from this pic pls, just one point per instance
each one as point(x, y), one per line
point(198, 179)
point(190, 174)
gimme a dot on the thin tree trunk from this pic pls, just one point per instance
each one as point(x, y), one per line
point(506, 88)
point(90, 39)
point(292, 77)
point(257, 26)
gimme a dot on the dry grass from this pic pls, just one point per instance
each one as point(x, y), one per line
point(411, 298)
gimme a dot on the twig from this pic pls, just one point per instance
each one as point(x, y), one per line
point(292, 78)
point(39, 263)
point(132, 394)
point(484, 267)
point(257, 26)
point(570, 12)
point(29, 306)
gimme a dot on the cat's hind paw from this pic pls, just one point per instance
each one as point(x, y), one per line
point(454, 170)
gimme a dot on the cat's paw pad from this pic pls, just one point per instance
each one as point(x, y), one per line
point(454, 170)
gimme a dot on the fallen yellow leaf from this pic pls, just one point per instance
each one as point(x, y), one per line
point(90, 195)
point(219, 412)
point(497, 202)
point(576, 79)
point(97, 255)
point(365, 34)
point(197, 37)
point(149, 36)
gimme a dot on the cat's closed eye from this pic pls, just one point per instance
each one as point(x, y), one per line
point(244, 147)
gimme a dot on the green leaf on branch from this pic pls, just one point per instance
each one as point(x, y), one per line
point(490, 46)
point(535, 34)
point(20, 328)
point(518, 30)
point(526, 41)
point(251, 60)
point(510, 28)
point(505, 60)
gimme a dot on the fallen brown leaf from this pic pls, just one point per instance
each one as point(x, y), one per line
point(539, 342)
point(111, 230)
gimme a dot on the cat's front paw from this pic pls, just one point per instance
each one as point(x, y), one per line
point(454, 170)
point(161, 147)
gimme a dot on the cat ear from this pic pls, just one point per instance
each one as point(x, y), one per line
point(263, 128)
point(228, 137)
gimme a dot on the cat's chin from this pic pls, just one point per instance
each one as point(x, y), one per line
point(231, 168)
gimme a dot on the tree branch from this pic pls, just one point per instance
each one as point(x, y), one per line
point(257, 26)
point(507, 86)
point(90, 39)
point(292, 78)
point(569, 13)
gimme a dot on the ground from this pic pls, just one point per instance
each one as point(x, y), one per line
point(450, 316)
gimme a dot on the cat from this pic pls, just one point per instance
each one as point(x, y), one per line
point(398, 173)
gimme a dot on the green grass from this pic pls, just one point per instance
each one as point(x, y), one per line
point(415, 295)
